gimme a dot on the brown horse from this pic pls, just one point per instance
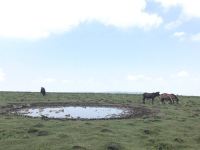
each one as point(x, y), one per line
point(174, 98)
point(150, 96)
point(171, 98)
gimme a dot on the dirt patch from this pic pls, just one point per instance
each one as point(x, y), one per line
point(134, 111)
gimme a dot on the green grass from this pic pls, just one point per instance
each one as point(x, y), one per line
point(174, 127)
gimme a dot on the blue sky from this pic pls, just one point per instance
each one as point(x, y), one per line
point(100, 46)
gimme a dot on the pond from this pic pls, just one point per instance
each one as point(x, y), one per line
point(75, 112)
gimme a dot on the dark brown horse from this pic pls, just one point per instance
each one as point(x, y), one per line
point(171, 98)
point(42, 91)
point(150, 96)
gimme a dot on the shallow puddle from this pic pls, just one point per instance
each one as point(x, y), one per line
point(75, 112)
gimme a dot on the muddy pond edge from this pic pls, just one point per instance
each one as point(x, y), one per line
point(134, 111)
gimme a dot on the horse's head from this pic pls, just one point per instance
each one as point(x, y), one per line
point(157, 94)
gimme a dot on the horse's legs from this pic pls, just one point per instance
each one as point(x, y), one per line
point(143, 100)
point(171, 101)
point(163, 101)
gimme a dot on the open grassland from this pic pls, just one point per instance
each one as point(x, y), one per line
point(173, 127)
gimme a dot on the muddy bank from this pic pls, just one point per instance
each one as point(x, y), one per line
point(133, 111)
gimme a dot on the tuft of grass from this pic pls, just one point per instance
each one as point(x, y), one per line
point(77, 147)
point(164, 146)
point(106, 130)
point(42, 133)
point(179, 140)
point(32, 130)
point(113, 146)
point(39, 125)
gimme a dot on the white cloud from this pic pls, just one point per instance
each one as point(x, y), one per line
point(173, 24)
point(41, 18)
point(180, 35)
point(2, 75)
point(190, 8)
point(195, 37)
point(168, 3)
point(181, 74)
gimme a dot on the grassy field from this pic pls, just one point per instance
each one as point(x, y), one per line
point(174, 127)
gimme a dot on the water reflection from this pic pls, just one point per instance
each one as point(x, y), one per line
point(75, 112)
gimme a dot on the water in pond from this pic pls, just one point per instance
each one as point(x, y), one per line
point(75, 112)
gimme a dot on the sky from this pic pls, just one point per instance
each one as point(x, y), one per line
point(100, 46)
